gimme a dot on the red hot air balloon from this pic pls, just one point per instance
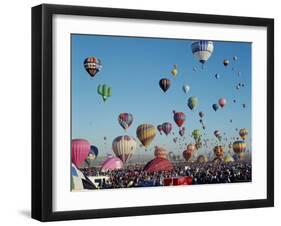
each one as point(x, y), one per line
point(179, 118)
point(80, 149)
point(189, 151)
point(158, 164)
point(222, 102)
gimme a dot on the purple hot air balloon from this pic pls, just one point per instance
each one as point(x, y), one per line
point(167, 127)
point(80, 149)
point(112, 163)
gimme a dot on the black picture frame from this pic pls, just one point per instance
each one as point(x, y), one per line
point(42, 111)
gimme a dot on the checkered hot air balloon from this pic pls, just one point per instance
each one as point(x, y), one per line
point(202, 50)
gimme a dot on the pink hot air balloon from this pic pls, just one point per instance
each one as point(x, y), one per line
point(112, 163)
point(80, 149)
point(222, 102)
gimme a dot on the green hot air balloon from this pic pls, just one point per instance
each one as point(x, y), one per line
point(196, 134)
point(192, 102)
point(105, 91)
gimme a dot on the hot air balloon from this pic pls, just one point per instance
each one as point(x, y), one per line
point(218, 151)
point(158, 164)
point(92, 156)
point(244, 105)
point(217, 76)
point(235, 58)
point(225, 62)
point(202, 50)
point(222, 102)
point(112, 163)
point(175, 140)
point(243, 133)
point(179, 118)
point(196, 135)
point(167, 127)
point(92, 65)
point(228, 159)
point(201, 159)
point(190, 148)
point(80, 149)
point(105, 91)
point(239, 146)
point(174, 71)
point(160, 152)
point(146, 134)
point(124, 147)
point(201, 114)
point(164, 84)
point(181, 132)
point(171, 155)
point(192, 102)
point(215, 107)
point(125, 120)
point(217, 134)
point(185, 88)
point(160, 129)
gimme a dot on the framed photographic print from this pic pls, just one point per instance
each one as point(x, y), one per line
point(146, 112)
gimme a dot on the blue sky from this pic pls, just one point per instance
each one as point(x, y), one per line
point(133, 68)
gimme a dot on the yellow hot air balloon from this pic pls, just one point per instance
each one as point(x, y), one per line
point(146, 134)
point(243, 133)
point(174, 72)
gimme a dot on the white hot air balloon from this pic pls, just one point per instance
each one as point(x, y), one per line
point(124, 147)
point(202, 50)
point(185, 88)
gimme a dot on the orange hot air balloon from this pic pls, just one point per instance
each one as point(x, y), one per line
point(160, 152)
point(218, 151)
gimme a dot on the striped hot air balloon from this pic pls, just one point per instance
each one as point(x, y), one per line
point(202, 50)
point(146, 134)
point(164, 84)
point(80, 149)
point(239, 146)
point(124, 147)
point(92, 65)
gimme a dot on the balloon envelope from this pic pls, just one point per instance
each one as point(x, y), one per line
point(167, 127)
point(164, 84)
point(158, 164)
point(179, 118)
point(146, 134)
point(124, 147)
point(112, 163)
point(202, 50)
point(185, 88)
point(80, 149)
point(160, 152)
point(192, 102)
point(92, 65)
point(125, 120)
